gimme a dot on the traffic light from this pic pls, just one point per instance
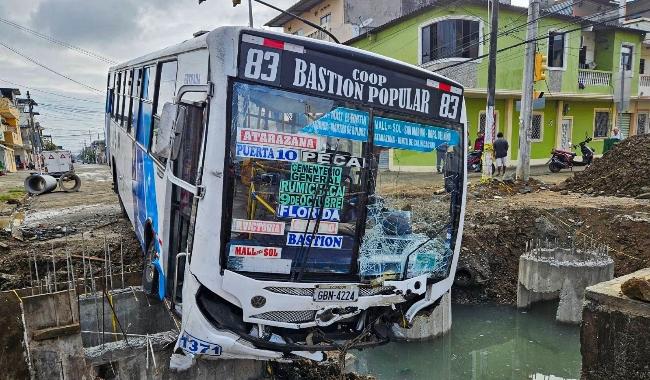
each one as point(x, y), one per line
point(540, 66)
point(236, 3)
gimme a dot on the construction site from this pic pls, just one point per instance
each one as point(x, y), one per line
point(71, 269)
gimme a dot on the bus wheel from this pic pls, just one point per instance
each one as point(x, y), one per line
point(149, 272)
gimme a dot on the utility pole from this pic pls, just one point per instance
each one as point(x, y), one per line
point(250, 13)
point(490, 119)
point(36, 141)
point(526, 114)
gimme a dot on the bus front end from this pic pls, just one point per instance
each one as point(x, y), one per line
point(312, 234)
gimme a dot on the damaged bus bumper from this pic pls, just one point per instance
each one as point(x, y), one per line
point(281, 321)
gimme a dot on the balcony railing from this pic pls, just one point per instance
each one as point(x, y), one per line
point(319, 35)
point(594, 77)
point(12, 138)
point(644, 85)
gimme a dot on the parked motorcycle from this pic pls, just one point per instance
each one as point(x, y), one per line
point(475, 162)
point(564, 159)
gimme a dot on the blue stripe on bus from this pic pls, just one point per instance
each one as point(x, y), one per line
point(144, 188)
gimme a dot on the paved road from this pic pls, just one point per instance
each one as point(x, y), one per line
point(435, 180)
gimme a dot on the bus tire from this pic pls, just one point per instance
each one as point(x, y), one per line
point(149, 272)
point(115, 188)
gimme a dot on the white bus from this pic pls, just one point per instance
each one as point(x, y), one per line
point(247, 162)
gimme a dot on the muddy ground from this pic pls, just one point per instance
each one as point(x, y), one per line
point(498, 229)
point(500, 219)
point(59, 224)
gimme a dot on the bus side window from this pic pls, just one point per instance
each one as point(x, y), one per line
point(143, 130)
point(109, 94)
point(117, 92)
point(123, 99)
point(165, 90)
point(126, 119)
point(135, 100)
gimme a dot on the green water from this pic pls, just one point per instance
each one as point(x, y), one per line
point(485, 342)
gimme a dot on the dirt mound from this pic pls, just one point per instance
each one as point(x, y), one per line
point(505, 188)
point(622, 171)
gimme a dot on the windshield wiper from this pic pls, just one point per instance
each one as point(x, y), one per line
point(304, 257)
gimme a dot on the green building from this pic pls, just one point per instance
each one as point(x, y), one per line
point(583, 90)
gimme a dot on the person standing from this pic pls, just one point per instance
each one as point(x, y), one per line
point(616, 134)
point(478, 143)
point(501, 153)
point(441, 152)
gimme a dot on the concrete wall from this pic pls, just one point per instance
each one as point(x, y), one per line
point(52, 335)
point(615, 343)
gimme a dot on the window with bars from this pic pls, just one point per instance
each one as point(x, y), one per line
point(537, 128)
point(454, 38)
point(325, 20)
point(601, 124)
point(643, 126)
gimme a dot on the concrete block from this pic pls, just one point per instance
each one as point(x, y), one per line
point(615, 343)
point(560, 273)
point(45, 316)
point(427, 325)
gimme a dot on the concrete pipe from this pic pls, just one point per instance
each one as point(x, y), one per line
point(37, 184)
point(66, 179)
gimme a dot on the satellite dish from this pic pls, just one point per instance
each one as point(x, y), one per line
point(366, 22)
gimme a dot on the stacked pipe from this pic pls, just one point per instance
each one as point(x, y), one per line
point(37, 184)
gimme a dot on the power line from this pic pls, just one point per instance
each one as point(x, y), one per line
point(48, 68)
point(58, 42)
point(52, 93)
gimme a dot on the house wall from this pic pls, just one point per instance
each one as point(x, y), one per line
point(335, 7)
point(401, 41)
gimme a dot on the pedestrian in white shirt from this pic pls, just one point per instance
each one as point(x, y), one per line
point(616, 134)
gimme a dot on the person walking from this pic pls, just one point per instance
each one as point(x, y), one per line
point(501, 152)
point(441, 152)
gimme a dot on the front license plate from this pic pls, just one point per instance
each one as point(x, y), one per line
point(336, 293)
point(198, 346)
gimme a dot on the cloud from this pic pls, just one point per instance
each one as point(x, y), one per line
point(90, 23)
point(117, 29)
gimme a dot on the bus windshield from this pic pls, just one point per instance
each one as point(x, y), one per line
point(307, 195)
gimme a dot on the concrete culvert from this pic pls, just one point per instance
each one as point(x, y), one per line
point(37, 184)
point(69, 182)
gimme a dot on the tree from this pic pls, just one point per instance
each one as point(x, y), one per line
point(49, 145)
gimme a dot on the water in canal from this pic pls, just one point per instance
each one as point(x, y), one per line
point(485, 342)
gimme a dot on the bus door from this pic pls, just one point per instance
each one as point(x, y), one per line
point(185, 166)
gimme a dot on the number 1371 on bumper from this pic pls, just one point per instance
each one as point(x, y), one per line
point(198, 347)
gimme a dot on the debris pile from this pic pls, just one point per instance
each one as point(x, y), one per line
point(309, 370)
point(496, 188)
point(622, 171)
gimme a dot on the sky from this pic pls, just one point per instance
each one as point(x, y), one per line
point(116, 29)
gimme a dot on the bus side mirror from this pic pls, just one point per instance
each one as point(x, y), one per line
point(171, 125)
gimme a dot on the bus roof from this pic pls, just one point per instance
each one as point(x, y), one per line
point(212, 37)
